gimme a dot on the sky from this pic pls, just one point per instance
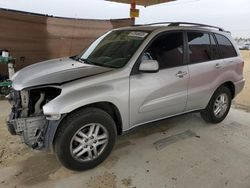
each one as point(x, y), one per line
point(233, 15)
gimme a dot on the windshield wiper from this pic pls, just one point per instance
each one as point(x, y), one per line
point(102, 65)
point(85, 61)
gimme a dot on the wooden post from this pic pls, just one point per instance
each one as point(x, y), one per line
point(132, 9)
point(133, 4)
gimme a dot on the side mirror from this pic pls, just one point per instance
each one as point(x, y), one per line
point(149, 66)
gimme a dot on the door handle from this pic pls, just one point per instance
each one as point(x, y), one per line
point(218, 66)
point(181, 74)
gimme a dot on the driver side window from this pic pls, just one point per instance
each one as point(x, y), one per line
point(167, 49)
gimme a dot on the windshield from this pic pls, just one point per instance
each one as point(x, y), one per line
point(114, 49)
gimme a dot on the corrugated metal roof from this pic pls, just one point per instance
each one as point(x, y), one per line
point(142, 2)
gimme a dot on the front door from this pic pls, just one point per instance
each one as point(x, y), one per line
point(157, 95)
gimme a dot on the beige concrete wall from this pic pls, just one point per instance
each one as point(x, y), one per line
point(33, 38)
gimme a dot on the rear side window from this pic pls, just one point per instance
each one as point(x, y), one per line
point(226, 48)
point(199, 47)
point(167, 50)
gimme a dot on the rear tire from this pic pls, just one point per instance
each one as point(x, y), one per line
point(218, 106)
point(85, 139)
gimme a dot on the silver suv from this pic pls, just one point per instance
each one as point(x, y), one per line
point(130, 76)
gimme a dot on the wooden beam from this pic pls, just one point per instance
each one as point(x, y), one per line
point(142, 2)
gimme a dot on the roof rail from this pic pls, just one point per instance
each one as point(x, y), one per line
point(184, 23)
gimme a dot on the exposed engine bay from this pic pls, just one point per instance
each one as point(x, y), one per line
point(34, 87)
point(27, 118)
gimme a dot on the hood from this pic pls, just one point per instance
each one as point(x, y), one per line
point(56, 71)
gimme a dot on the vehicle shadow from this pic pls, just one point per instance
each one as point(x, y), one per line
point(186, 121)
point(37, 168)
point(42, 167)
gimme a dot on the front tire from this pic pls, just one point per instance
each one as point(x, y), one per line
point(218, 106)
point(85, 139)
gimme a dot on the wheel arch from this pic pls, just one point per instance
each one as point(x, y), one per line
point(108, 107)
point(112, 110)
point(230, 85)
point(208, 113)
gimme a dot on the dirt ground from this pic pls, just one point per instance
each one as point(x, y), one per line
point(188, 163)
point(243, 99)
point(174, 153)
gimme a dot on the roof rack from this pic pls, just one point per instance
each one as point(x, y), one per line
point(185, 23)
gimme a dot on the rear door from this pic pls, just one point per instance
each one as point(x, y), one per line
point(205, 66)
point(232, 65)
point(157, 95)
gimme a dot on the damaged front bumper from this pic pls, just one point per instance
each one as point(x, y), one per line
point(36, 132)
point(27, 119)
point(32, 130)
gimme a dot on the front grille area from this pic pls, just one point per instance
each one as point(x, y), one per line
point(31, 129)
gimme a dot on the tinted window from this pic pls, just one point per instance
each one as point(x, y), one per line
point(226, 47)
point(114, 49)
point(167, 50)
point(199, 47)
point(215, 48)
